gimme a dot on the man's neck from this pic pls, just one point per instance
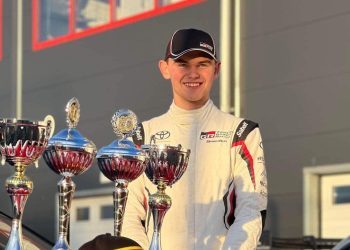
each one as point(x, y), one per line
point(190, 105)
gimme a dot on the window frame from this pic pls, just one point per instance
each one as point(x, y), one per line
point(312, 194)
point(112, 24)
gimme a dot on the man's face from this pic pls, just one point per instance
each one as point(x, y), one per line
point(192, 77)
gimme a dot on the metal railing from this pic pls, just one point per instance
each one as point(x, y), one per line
point(306, 242)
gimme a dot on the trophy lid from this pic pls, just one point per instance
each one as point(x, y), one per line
point(120, 148)
point(124, 123)
point(71, 138)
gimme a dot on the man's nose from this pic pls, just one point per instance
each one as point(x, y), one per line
point(193, 72)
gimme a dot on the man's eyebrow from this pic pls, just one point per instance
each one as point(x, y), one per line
point(206, 61)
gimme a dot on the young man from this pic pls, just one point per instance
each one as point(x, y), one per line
point(220, 201)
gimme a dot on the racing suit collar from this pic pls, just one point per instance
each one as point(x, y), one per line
point(185, 117)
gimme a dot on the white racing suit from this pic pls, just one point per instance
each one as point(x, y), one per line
point(220, 201)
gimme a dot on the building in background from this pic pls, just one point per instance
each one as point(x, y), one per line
point(294, 78)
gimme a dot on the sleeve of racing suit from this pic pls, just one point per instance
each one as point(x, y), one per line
point(246, 199)
point(136, 205)
point(135, 213)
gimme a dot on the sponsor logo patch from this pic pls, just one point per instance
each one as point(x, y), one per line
point(162, 135)
point(207, 46)
point(263, 184)
point(241, 129)
point(220, 136)
point(261, 159)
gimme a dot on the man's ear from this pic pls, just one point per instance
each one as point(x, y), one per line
point(217, 69)
point(163, 67)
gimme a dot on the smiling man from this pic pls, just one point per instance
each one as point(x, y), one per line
point(220, 202)
point(191, 74)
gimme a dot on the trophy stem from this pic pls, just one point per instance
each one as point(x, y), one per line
point(19, 187)
point(66, 188)
point(159, 203)
point(120, 196)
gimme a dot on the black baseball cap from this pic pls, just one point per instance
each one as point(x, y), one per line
point(109, 242)
point(186, 40)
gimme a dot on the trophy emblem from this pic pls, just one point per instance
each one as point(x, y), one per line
point(165, 166)
point(22, 142)
point(68, 154)
point(121, 162)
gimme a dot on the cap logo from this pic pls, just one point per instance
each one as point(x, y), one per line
point(205, 45)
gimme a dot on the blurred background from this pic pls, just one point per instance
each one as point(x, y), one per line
point(285, 65)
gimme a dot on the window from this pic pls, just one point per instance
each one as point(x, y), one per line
point(107, 212)
point(83, 214)
point(341, 194)
point(58, 21)
point(53, 19)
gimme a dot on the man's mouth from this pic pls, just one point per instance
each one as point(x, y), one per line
point(192, 84)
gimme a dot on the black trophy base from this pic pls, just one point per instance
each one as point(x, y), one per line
point(109, 242)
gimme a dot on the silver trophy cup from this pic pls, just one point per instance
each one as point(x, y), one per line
point(165, 166)
point(21, 143)
point(121, 162)
point(68, 154)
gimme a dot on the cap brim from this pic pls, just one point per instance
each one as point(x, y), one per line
point(174, 57)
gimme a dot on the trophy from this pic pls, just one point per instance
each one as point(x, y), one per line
point(121, 162)
point(68, 154)
point(165, 166)
point(21, 143)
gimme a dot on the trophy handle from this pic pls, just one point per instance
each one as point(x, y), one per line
point(153, 140)
point(50, 122)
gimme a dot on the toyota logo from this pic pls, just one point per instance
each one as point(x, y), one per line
point(161, 135)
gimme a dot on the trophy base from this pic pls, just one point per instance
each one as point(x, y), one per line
point(155, 243)
point(61, 244)
point(15, 240)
